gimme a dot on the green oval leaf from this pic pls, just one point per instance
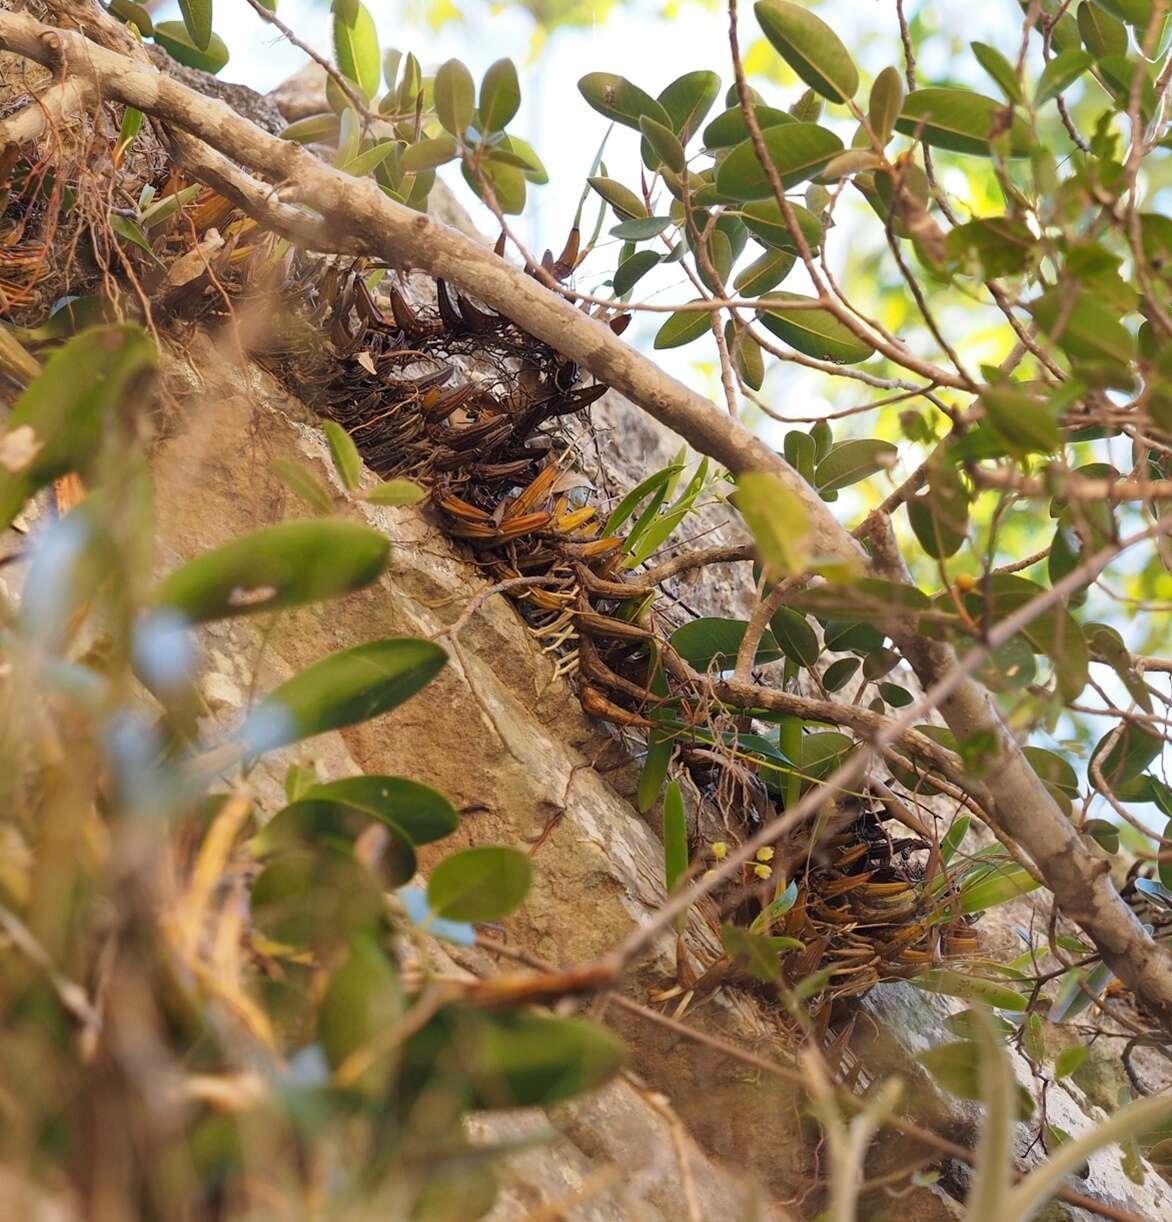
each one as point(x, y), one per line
point(729, 128)
point(276, 567)
point(851, 461)
point(315, 897)
point(455, 96)
point(797, 150)
point(632, 270)
point(764, 273)
point(1102, 34)
point(173, 37)
point(887, 94)
point(961, 121)
point(795, 637)
point(344, 452)
point(479, 884)
point(313, 129)
point(500, 96)
point(688, 99)
point(341, 690)
point(617, 99)
point(302, 482)
point(683, 328)
point(622, 199)
point(1060, 73)
point(675, 837)
point(764, 219)
point(197, 18)
point(396, 492)
point(664, 143)
point(815, 332)
point(810, 47)
point(59, 419)
point(428, 154)
point(713, 642)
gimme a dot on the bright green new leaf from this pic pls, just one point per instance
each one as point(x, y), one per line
point(302, 482)
point(815, 331)
point(778, 521)
point(479, 884)
point(396, 492)
point(347, 460)
point(675, 836)
point(356, 50)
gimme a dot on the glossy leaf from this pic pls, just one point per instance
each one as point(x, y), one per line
point(616, 98)
point(962, 121)
point(815, 331)
point(683, 328)
point(712, 643)
point(500, 96)
point(849, 462)
point(351, 686)
point(173, 37)
point(455, 96)
point(795, 637)
point(797, 151)
point(274, 568)
point(999, 68)
point(810, 47)
point(197, 18)
point(479, 884)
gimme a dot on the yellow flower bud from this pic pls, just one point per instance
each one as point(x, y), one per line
point(720, 850)
point(765, 854)
point(763, 871)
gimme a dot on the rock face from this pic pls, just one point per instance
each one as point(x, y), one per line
point(687, 1132)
